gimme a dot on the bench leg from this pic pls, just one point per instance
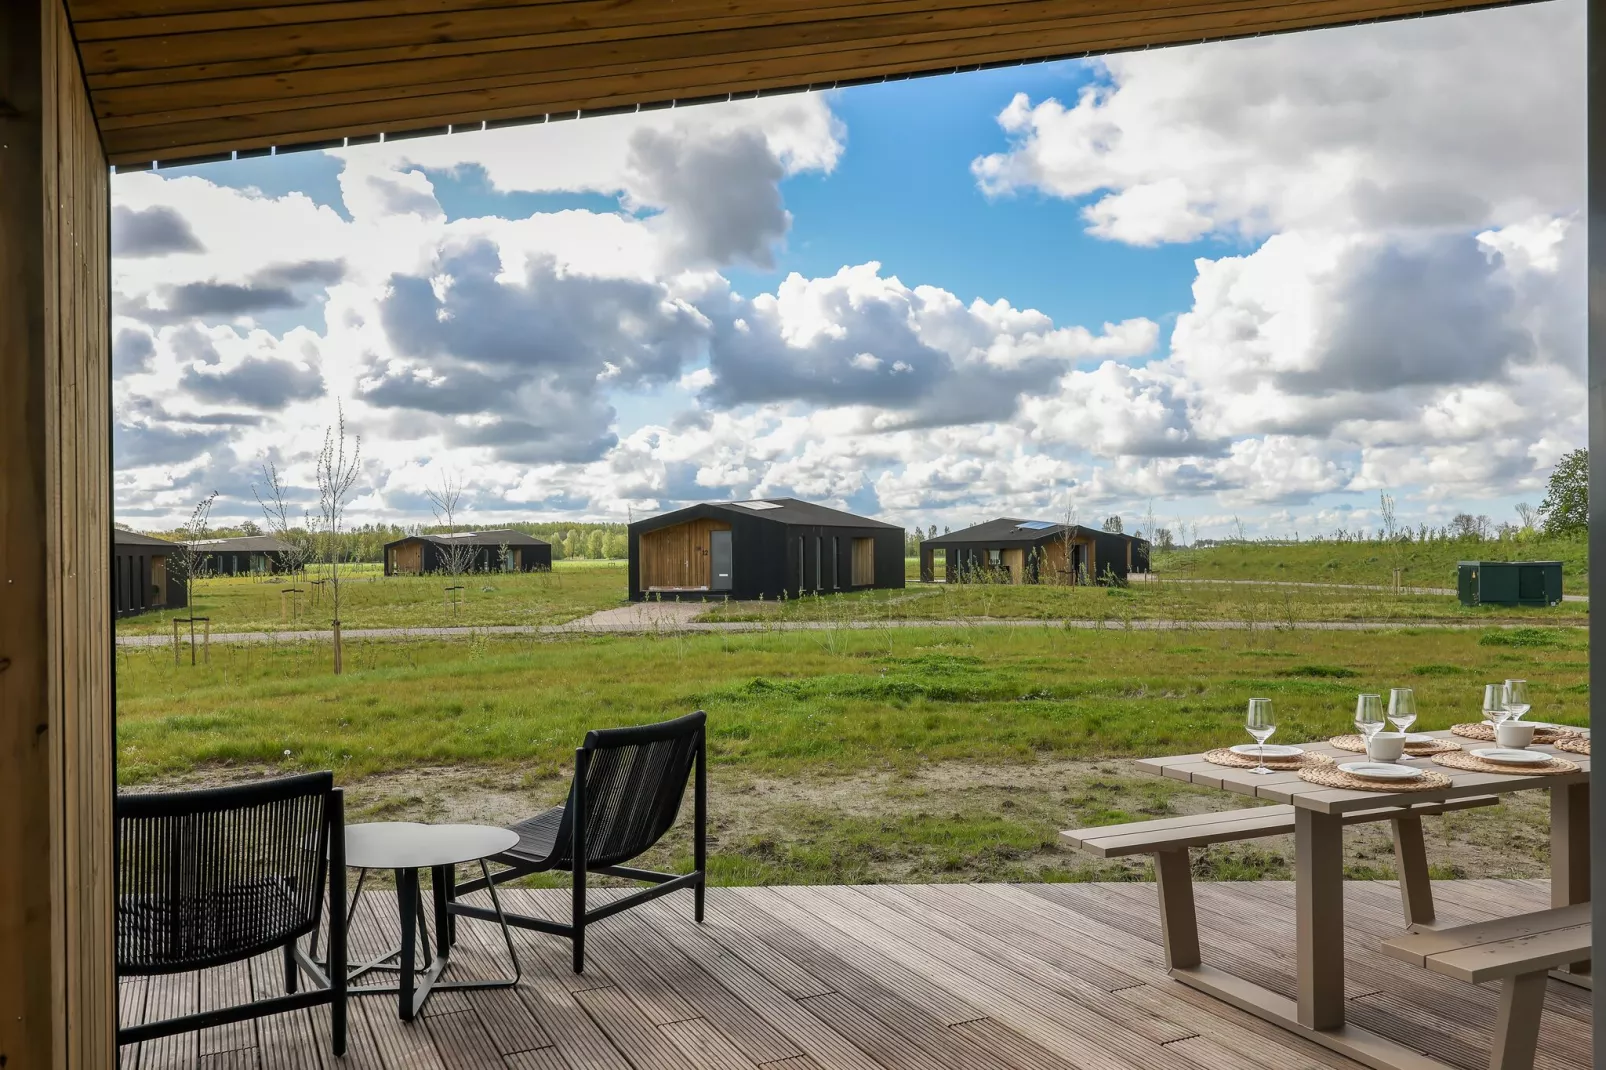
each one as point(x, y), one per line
point(1411, 864)
point(1569, 851)
point(1516, 1028)
point(1179, 924)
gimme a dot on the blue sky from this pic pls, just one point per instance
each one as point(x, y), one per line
point(1148, 283)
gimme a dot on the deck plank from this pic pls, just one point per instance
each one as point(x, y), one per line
point(892, 977)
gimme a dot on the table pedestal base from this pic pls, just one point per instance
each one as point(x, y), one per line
point(1350, 1040)
point(413, 987)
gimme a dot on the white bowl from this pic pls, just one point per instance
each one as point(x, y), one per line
point(1272, 750)
point(1507, 756)
point(1381, 771)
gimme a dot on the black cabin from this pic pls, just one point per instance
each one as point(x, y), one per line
point(1033, 551)
point(144, 574)
point(246, 555)
point(761, 549)
point(474, 551)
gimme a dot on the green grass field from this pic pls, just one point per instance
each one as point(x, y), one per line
point(1149, 600)
point(1430, 564)
point(836, 755)
point(370, 599)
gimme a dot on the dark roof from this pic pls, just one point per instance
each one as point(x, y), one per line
point(121, 537)
point(1011, 531)
point(493, 537)
point(782, 511)
point(244, 544)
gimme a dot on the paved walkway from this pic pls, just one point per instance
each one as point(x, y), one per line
point(664, 626)
point(1149, 577)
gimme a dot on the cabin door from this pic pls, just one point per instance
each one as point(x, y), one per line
point(719, 553)
point(1015, 562)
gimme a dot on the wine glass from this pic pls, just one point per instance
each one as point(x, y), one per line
point(1494, 704)
point(1369, 718)
point(1515, 698)
point(1261, 722)
point(1402, 708)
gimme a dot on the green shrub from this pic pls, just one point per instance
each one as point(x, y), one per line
point(1524, 637)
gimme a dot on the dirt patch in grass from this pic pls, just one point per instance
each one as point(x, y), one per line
point(942, 821)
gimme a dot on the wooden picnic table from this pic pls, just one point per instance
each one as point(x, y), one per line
point(1318, 1013)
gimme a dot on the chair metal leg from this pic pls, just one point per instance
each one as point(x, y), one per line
point(291, 970)
point(700, 828)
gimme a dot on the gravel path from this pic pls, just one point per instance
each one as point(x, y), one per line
point(624, 622)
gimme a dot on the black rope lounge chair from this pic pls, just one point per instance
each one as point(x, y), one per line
point(626, 793)
point(206, 878)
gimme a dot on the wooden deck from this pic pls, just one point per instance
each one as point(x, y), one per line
point(929, 977)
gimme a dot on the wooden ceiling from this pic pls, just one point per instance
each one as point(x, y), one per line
point(180, 79)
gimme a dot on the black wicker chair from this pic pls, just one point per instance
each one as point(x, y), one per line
point(626, 793)
point(210, 877)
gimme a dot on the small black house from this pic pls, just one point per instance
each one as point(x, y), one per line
point(760, 549)
point(481, 552)
point(1033, 551)
point(245, 555)
point(143, 578)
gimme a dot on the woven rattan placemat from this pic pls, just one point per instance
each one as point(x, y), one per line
point(1471, 763)
point(1484, 732)
point(1353, 742)
point(1223, 756)
point(1573, 744)
point(1331, 776)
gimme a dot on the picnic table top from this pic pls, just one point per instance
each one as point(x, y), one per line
point(1287, 787)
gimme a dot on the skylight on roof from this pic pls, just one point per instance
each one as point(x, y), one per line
point(1036, 525)
point(757, 505)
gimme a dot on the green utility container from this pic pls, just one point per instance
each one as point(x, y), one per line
point(1509, 583)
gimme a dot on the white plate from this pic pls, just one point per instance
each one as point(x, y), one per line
point(1273, 750)
point(1507, 756)
point(1380, 771)
point(1418, 737)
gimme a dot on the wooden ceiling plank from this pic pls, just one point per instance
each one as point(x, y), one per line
point(273, 51)
point(416, 110)
point(112, 10)
point(404, 21)
point(129, 106)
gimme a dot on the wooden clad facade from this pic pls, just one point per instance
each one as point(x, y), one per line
point(57, 989)
point(174, 79)
point(680, 556)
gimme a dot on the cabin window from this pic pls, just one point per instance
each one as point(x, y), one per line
point(802, 563)
point(819, 551)
point(863, 562)
point(836, 562)
point(995, 558)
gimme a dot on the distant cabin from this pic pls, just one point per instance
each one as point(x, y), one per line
point(418, 554)
point(761, 549)
point(144, 577)
point(247, 555)
point(1033, 551)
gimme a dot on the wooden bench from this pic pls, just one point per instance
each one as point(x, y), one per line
point(1520, 951)
point(1169, 839)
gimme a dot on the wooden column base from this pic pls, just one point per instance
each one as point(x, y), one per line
point(1349, 1040)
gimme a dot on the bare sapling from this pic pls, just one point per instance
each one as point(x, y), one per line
point(192, 560)
point(457, 556)
point(338, 472)
point(273, 497)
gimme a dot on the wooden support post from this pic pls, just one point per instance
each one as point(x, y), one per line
point(1516, 1025)
point(1179, 924)
point(1411, 866)
point(1319, 903)
point(58, 989)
